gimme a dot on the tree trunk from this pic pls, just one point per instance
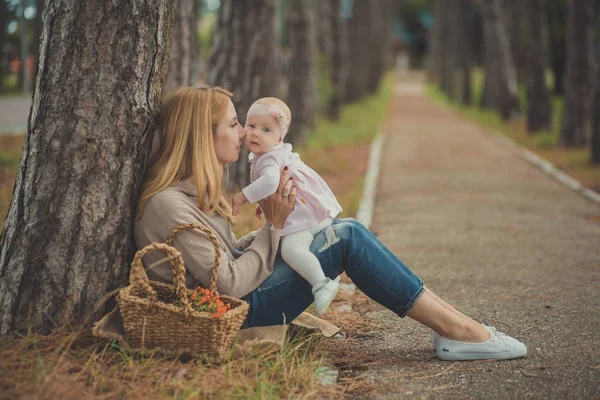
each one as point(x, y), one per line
point(380, 34)
point(515, 21)
point(539, 108)
point(245, 59)
point(465, 50)
point(38, 24)
point(67, 237)
point(556, 11)
point(324, 27)
point(578, 82)
point(500, 89)
point(3, 21)
point(196, 64)
point(359, 31)
point(436, 48)
point(447, 53)
point(595, 142)
point(302, 89)
point(179, 72)
point(340, 69)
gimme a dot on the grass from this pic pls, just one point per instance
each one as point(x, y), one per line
point(70, 363)
point(574, 161)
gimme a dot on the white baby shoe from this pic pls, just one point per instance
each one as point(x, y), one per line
point(498, 347)
point(324, 293)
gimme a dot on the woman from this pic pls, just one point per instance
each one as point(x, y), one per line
point(199, 135)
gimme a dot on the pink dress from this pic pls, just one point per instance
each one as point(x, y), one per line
point(314, 200)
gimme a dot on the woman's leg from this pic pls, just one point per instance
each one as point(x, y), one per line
point(428, 311)
point(384, 278)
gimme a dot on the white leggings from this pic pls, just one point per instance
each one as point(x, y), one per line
point(295, 250)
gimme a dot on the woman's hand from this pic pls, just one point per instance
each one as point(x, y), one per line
point(280, 204)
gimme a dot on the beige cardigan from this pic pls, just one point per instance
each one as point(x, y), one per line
point(239, 272)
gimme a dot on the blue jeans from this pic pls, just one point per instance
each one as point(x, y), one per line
point(344, 246)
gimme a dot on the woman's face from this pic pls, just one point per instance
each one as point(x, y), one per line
point(229, 136)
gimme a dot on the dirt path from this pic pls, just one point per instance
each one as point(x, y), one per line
point(498, 239)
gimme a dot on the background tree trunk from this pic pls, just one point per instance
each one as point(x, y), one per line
point(179, 72)
point(380, 14)
point(500, 89)
point(465, 50)
point(539, 108)
point(556, 11)
point(515, 20)
point(578, 75)
point(67, 237)
point(595, 141)
point(3, 23)
point(340, 69)
point(436, 39)
point(359, 30)
point(302, 89)
point(446, 54)
point(245, 59)
point(197, 67)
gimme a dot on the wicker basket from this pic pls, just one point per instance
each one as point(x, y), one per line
point(153, 317)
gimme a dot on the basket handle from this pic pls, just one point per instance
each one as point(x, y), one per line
point(196, 225)
point(137, 274)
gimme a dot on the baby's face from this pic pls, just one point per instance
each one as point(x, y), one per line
point(262, 133)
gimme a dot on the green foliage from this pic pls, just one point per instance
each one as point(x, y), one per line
point(358, 121)
point(324, 84)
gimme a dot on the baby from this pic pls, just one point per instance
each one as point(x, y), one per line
point(267, 123)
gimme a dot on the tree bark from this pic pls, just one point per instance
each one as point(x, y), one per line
point(556, 11)
point(67, 237)
point(447, 52)
point(3, 21)
point(515, 20)
point(358, 44)
point(197, 66)
point(539, 107)
point(595, 141)
point(465, 50)
point(245, 59)
point(436, 48)
point(380, 35)
point(302, 89)
point(179, 72)
point(500, 89)
point(38, 24)
point(340, 56)
point(578, 91)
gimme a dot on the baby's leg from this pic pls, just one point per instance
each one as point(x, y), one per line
point(295, 250)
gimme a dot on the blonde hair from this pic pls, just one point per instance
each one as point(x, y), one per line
point(188, 123)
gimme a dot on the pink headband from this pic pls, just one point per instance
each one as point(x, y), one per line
point(273, 111)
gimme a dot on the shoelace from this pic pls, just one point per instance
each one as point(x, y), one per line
point(499, 336)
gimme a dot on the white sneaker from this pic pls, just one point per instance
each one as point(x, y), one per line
point(435, 337)
point(324, 293)
point(498, 347)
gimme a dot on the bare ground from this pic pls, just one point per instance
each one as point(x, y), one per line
point(496, 238)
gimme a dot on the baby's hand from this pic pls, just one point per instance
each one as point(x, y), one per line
point(258, 212)
point(238, 200)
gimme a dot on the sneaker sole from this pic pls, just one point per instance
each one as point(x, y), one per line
point(478, 356)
